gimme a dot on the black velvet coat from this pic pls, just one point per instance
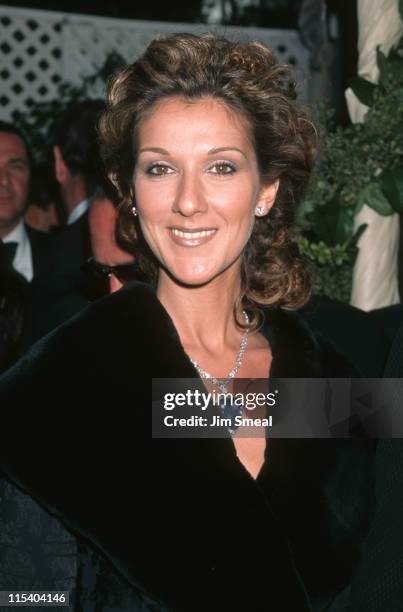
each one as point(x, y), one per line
point(182, 519)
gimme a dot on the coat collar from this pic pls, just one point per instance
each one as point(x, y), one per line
point(297, 351)
point(133, 326)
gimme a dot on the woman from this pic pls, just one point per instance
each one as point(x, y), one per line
point(211, 155)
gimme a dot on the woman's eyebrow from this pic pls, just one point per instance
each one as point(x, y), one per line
point(219, 149)
point(211, 151)
point(155, 150)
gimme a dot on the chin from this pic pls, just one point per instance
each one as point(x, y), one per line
point(200, 275)
point(192, 276)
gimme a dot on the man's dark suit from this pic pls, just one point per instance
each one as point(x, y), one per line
point(38, 242)
point(58, 288)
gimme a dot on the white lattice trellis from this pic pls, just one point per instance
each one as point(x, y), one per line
point(38, 49)
point(30, 58)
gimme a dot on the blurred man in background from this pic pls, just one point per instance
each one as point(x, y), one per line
point(22, 249)
point(77, 169)
point(24, 245)
point(76, 161)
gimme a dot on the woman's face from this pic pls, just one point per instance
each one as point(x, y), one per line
point(196, 187)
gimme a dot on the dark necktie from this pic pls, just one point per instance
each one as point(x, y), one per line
point(7, 253)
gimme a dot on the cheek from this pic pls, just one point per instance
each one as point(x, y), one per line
point(236, 204)
point(21, 186)
point(152, 200)
point(153, 228)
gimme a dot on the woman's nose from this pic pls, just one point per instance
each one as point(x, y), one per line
point(189, 198)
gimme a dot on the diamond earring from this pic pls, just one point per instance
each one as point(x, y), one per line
point(260, 211)
point(134, 211)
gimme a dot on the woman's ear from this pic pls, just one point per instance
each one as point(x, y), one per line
point(266, 198)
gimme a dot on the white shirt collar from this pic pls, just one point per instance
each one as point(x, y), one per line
point(22, 262)
point(78, 211)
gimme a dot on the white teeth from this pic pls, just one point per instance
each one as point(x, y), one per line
point(192, 235)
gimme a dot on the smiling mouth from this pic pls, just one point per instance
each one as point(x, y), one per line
point(191, 237)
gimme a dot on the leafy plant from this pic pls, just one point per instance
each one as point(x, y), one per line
point(359, 164)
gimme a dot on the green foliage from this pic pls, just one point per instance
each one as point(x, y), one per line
point(332, 265)
point(373, 196)
point(363, 89)
point(36, 123)
point(358, 164)
point(392, 187)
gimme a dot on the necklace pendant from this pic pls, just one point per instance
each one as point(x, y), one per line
point(229, 411)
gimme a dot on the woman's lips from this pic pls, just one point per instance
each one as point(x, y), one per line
point(191, 238)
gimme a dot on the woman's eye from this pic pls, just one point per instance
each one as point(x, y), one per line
point(159, 170)
point(222, 168)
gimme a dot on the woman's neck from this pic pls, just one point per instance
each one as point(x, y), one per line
point(203, 316)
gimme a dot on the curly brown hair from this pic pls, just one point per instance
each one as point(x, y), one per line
point(250, 81)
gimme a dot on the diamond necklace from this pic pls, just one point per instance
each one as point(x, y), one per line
point(222, 385)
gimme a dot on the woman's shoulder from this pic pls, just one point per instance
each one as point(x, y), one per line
point(300, 350)
point(134, 306)
point(125, 336)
